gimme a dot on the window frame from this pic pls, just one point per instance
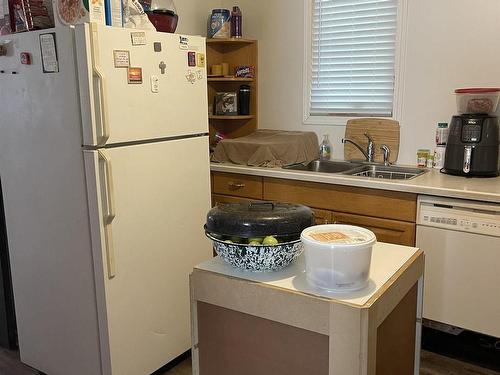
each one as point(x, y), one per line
point(399, 68)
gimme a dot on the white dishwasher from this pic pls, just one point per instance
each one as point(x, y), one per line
point(461, 241)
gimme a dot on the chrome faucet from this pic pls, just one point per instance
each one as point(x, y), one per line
point(370, 148)
point(387, 153)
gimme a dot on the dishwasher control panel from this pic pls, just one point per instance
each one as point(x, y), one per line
point(464, 216)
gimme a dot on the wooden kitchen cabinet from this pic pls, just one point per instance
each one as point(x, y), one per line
point(238, 185)
point(322, 216)
point(390, 231)
point(370, 202)
point(390, 215)
point(219, 199)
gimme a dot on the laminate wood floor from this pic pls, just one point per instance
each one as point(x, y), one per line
point(435, 364)
point(432, 364)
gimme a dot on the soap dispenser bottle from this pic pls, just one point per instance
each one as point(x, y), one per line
point(325, 148)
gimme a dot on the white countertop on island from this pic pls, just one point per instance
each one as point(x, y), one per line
point(387, 260)
point(430, 183)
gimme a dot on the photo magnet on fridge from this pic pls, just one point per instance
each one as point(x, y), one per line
point(134, 75)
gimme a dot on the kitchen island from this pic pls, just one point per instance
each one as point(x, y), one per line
point(276, 323)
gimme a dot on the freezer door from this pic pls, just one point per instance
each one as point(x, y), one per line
point(139, 85)
point(150, 203)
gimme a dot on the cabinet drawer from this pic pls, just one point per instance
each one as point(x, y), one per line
point(218, 199)
point(322, 216)
point(354, 200)
point(391, 231)
point(239, 185)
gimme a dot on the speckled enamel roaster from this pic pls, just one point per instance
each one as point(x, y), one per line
point(258, 258)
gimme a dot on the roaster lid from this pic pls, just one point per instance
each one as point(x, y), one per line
point(257, 219)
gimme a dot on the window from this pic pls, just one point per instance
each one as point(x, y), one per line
point(351, 59)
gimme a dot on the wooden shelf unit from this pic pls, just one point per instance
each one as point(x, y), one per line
point(223, 117)
point(230, 41)
point(229, 79)
point(235, 52)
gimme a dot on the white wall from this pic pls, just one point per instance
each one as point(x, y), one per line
point(450, 44)
point(193, 15)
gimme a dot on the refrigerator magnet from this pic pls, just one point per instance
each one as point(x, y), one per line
point(155, 84)
point(25, 58)
point(162, 67)
point(183, 42)
point(200, 57)
point(192, 59)
point(134, 75)
point(49, 52)
point(121, 58)
point(138, 38)
point(191, 76)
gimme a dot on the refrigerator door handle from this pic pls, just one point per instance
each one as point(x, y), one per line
point(100, 82)
point(109, 203)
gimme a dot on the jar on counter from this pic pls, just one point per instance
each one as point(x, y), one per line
point(422, 155)
point(430, 161)
point(439, 153)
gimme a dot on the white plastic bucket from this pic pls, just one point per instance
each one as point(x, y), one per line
point(338, 256)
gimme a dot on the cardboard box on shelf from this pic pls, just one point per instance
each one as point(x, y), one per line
point(72, 12)
point(4, 18)
point(26, 15)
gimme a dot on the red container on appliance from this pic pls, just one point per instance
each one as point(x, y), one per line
point(162, 14)
point(163, 20)
point(477, 100)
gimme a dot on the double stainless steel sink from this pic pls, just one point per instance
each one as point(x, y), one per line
point(367, 170)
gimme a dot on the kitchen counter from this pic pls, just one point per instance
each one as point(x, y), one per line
point(431, 183)
point(253, 322)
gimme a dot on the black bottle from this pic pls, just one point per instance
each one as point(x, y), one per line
point(244, 100)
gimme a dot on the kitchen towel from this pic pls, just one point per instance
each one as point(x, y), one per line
point(269, 148)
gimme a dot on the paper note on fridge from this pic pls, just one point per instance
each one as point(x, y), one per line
point(49, 53)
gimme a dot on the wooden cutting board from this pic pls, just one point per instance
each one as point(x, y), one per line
point(382, 131)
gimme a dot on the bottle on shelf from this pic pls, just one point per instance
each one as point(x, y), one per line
point(236, 21)
point(325, 148)
point(244, 100)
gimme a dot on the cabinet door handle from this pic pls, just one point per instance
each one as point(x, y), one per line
point(236, 185)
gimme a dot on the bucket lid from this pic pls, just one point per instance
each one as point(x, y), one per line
point(256, 219)
point(335, 234)
point(477, 90)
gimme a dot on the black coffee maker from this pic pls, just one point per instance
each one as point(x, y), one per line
point(473, 146)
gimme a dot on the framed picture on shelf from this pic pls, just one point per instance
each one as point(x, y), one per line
point(226, 104)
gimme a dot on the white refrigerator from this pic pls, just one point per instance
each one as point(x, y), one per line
point(105, 171)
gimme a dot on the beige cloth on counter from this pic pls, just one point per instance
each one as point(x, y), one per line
point(269, 148)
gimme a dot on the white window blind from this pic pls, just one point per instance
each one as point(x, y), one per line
point(353, 55)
